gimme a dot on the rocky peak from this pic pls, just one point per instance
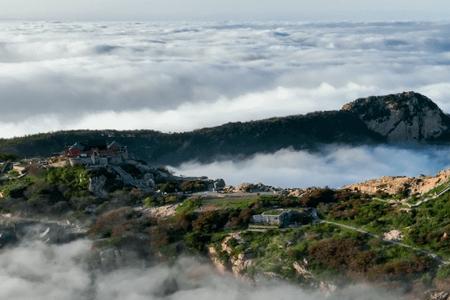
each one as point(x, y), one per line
point(404, 117)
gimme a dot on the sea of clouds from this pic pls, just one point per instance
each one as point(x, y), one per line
point(182, 76)
point(35, 270)
point(334, 166)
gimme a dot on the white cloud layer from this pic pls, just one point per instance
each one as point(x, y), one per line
point(335, 166)
point(38, 271)
point(181, 76)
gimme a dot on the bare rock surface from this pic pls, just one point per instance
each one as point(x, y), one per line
point(404, 117)
point(393, 185)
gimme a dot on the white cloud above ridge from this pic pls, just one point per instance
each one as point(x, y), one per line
point(158, 75)
point(189, 116)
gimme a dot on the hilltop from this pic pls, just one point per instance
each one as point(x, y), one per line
point(400, 118)
point(405, 117)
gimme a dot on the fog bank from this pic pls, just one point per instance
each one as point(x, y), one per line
point(38, 271)
point(334, 166)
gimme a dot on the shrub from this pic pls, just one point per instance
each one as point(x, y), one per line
point(443, 272)
point(240, 218)
point(317, 196)
point(399, 269)
point(342, 254)
point(8, 157)
point(197, 240)
point(117, 222)
point(76, 178)
point(189, 206)
point(168, 187)
point(150, 202)
point(15, 188)
point(210, 221)
point(194, 186)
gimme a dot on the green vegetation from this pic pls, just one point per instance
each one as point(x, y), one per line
point(322, 250)
point(51, 191)
point(194, 186)
point(230, 203)
point(150, 202)
point(426, 226)
point(76, 178)
point(299, 132)
point(15, 188)
point(8, 157)
point(189, 206)
point(329, 251)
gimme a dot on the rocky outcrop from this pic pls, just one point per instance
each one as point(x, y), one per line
point(97, 186)
point(401, 185)
point(219, 184)
point(393, 235)
point(161, 212)
point(438, 295)
point(250, 188)
point(301, 268)
point(219, 264)
point(237, 263)
point(240, 263)
point(405, 117)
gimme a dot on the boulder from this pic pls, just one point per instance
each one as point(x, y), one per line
point(393, 235)
point(219, 184)
point(438, 295)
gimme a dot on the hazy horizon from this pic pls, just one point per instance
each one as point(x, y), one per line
point(329, 10)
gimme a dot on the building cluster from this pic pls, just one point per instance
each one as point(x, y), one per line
point(101, 155)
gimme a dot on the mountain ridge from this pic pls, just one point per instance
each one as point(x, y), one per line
point(397, 118)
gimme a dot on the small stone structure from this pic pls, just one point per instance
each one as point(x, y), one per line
point(281, 218)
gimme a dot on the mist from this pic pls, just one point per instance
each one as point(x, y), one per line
point(35, 270)
point(333, 166)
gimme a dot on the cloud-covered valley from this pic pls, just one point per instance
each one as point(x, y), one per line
point(34, 270)
point(182, 76)
point(334, 166)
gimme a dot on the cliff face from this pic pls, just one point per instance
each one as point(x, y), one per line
point(405, 117)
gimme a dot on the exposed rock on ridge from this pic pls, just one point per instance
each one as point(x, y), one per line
point(405, 117)
point(393, 185)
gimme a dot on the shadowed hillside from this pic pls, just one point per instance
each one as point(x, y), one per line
point(229, 140)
